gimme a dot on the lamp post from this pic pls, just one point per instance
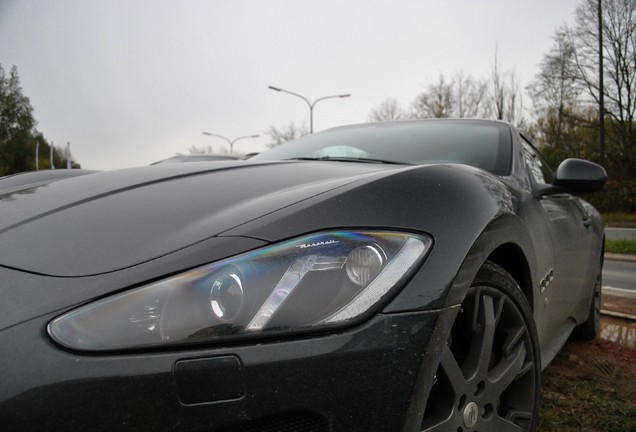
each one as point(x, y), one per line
point(311, 104)
point(230, 141)
point(601, 90)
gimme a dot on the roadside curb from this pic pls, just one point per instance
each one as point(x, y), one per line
point(620, 257)
point(618, 315)
point(619, 292)
point(620, 225)
point(618, 303)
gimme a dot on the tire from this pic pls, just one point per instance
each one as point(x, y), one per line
point(589, 328)
point(488, 378)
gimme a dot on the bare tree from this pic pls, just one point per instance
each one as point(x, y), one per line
point(463, 96)
point(555, 97)
point(388, 110)
point(285, 133)
point(555, 85)
point(470, 96)
point(619, 67)
point(514, 101)
point(194, 150)
point(437, 101)
point(498, 94)
point(506, 99)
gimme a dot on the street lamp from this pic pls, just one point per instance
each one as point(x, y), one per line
point(311, 104)
point(601, 90)
point(230, 142)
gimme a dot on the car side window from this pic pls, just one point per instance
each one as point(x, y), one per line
point(538, 167)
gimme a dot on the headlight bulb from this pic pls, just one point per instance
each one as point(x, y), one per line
point(365, 263)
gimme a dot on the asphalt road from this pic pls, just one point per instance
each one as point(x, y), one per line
point(619, 274)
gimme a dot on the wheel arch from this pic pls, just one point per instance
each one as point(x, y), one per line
point(511, 258)
point(507, 243)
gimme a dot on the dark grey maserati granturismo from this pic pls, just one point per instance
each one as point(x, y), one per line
point(406, 276)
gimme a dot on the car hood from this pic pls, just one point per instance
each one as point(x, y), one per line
point(109, 221)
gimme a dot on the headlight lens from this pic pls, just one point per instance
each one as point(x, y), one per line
point(321, 280)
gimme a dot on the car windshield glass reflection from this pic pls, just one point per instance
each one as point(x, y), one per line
point(482, 145)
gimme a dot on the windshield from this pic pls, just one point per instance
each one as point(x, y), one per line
point(484, 145)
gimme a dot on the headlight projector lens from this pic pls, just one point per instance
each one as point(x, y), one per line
point(226, 297)
point(364, 264)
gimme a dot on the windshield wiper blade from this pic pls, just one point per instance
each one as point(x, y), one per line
point(349, 159)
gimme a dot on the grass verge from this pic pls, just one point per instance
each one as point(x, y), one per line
point(621, 246)
point(584, 405)
point(589, 387)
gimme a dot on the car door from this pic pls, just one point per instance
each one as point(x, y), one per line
point(572, 239)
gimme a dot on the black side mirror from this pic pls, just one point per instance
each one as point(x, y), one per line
point(580, 176)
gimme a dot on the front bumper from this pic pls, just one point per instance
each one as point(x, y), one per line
point(375, 376)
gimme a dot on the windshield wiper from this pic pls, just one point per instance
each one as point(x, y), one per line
point(349, 159)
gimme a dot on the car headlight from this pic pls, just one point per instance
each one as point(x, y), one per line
point(321, 280)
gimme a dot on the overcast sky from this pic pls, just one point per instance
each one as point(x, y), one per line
point(132, 82)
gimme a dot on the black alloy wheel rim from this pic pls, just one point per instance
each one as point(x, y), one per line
point(486, 380)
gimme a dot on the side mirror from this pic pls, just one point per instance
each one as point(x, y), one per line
point(580, 176)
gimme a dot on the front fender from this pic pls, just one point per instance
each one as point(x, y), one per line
point(452, 203)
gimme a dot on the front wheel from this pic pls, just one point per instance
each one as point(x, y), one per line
point(489, 373)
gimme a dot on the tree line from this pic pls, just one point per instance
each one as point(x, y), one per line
point(19, 138)
point(566, 96)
